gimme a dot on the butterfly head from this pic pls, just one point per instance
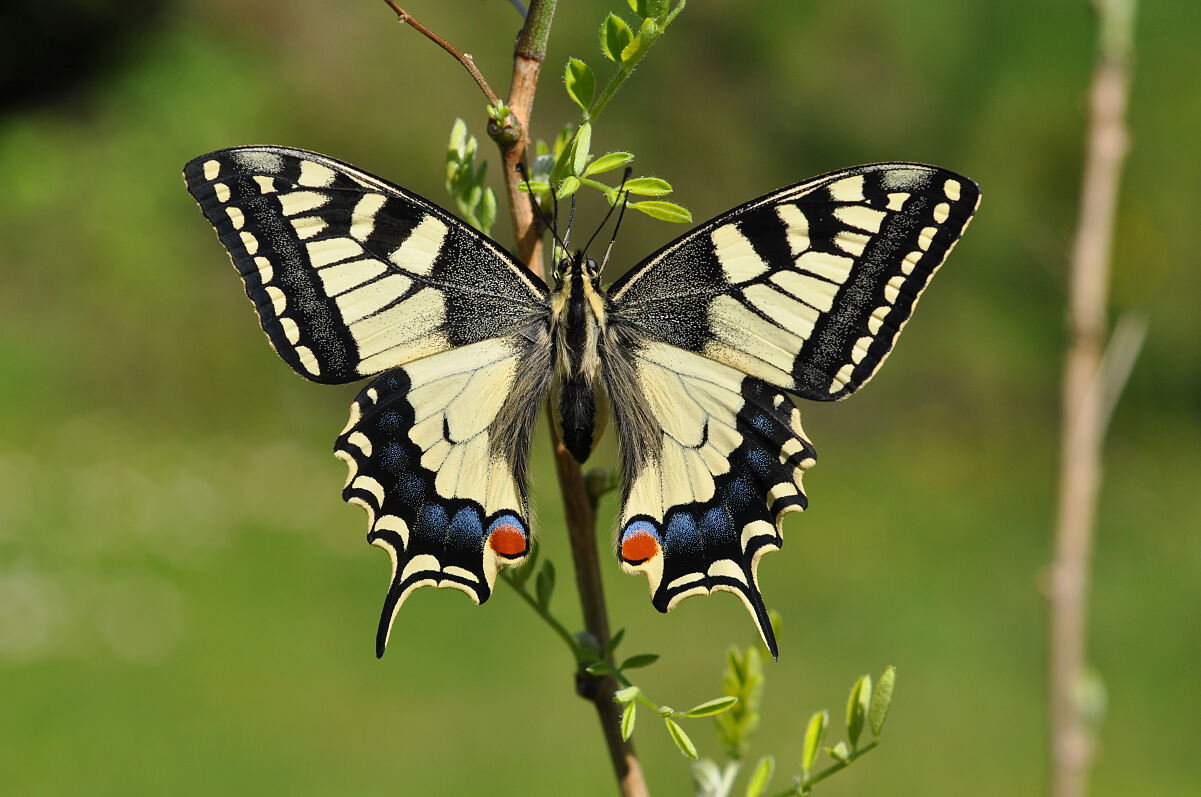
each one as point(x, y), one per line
point(578, 267)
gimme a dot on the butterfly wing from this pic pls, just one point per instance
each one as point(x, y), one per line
point(437, 452)
point(808, 287)
point(350, 274)
point(804, 290)
point(712, 460)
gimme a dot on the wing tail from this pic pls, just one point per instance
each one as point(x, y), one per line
point(434, 461)
point(709, 500)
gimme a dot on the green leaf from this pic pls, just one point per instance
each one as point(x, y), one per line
point(486, 211)
point(743, 678)
point(587, 646)
point(648, 186)
point(545, 584)
point(561, 153)
point(499, 113)
point(641, 660)
point(615, 641)
point(857, 705)
point(813, 739)
point(639, 7)
point(881, 699)
point(664, 211)
point(711, 707)
point(657, 9)
point(458, 137)
point(628, 718)
point(532, 187)
point(710, 780)
point(680, 738)
point(838, 752)
point(567, 187)
point(761, 776)
point(580, 82)
point(615, 36)
point(608, 162)
point(634, 51)
point(543, 166)
point(627, 694)
point(579, 152)
point(600, 668)
point(737, 669)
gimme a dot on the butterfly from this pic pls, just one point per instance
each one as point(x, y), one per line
point(695, 353)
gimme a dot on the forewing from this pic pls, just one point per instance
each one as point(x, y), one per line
point(437, 451)
point(806, 288)
point(712, 461)
point(350, 274)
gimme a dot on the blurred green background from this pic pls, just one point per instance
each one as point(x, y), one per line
point(186, 605)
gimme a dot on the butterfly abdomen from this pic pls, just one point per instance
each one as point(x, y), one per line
point(577, 323)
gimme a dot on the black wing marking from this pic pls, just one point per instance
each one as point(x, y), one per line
point(437, 452)
point(808, 287)
point(712, 461)
point(350, 274)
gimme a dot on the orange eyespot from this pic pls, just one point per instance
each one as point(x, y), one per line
point(638, 547)
point(507, 540)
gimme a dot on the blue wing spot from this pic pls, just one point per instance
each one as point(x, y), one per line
point(391, 423)
point(466, 530)
point(640, 527)
point(760, 462)
point(432, 520)
point(763, 424)
point(507, 519)
point(683, 533)
point(739, 495)
point(410, 489)
point(716, 523)
point(392, 459)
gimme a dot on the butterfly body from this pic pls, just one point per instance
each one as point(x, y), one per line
point(696, 354)
point(578, 324)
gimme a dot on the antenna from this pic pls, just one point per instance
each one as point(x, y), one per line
point(625, 197)
point(570, 222)
point(525, 176)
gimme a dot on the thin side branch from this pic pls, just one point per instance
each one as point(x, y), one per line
point(405, 18)
point(1085, 404)
point(1118, 361)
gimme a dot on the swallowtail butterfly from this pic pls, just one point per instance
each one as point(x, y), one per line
point(694, 352)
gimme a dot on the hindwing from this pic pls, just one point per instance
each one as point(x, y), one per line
point(808, 287)
point(350, 274)
point(437, 452)
point(712, 461)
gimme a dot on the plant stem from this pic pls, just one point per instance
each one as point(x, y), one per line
point(608, 93)
point(625, 70)
point(550, 619)
point(808, 783)
point(1084, 403)
point(528, 54)
point(580, 517)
